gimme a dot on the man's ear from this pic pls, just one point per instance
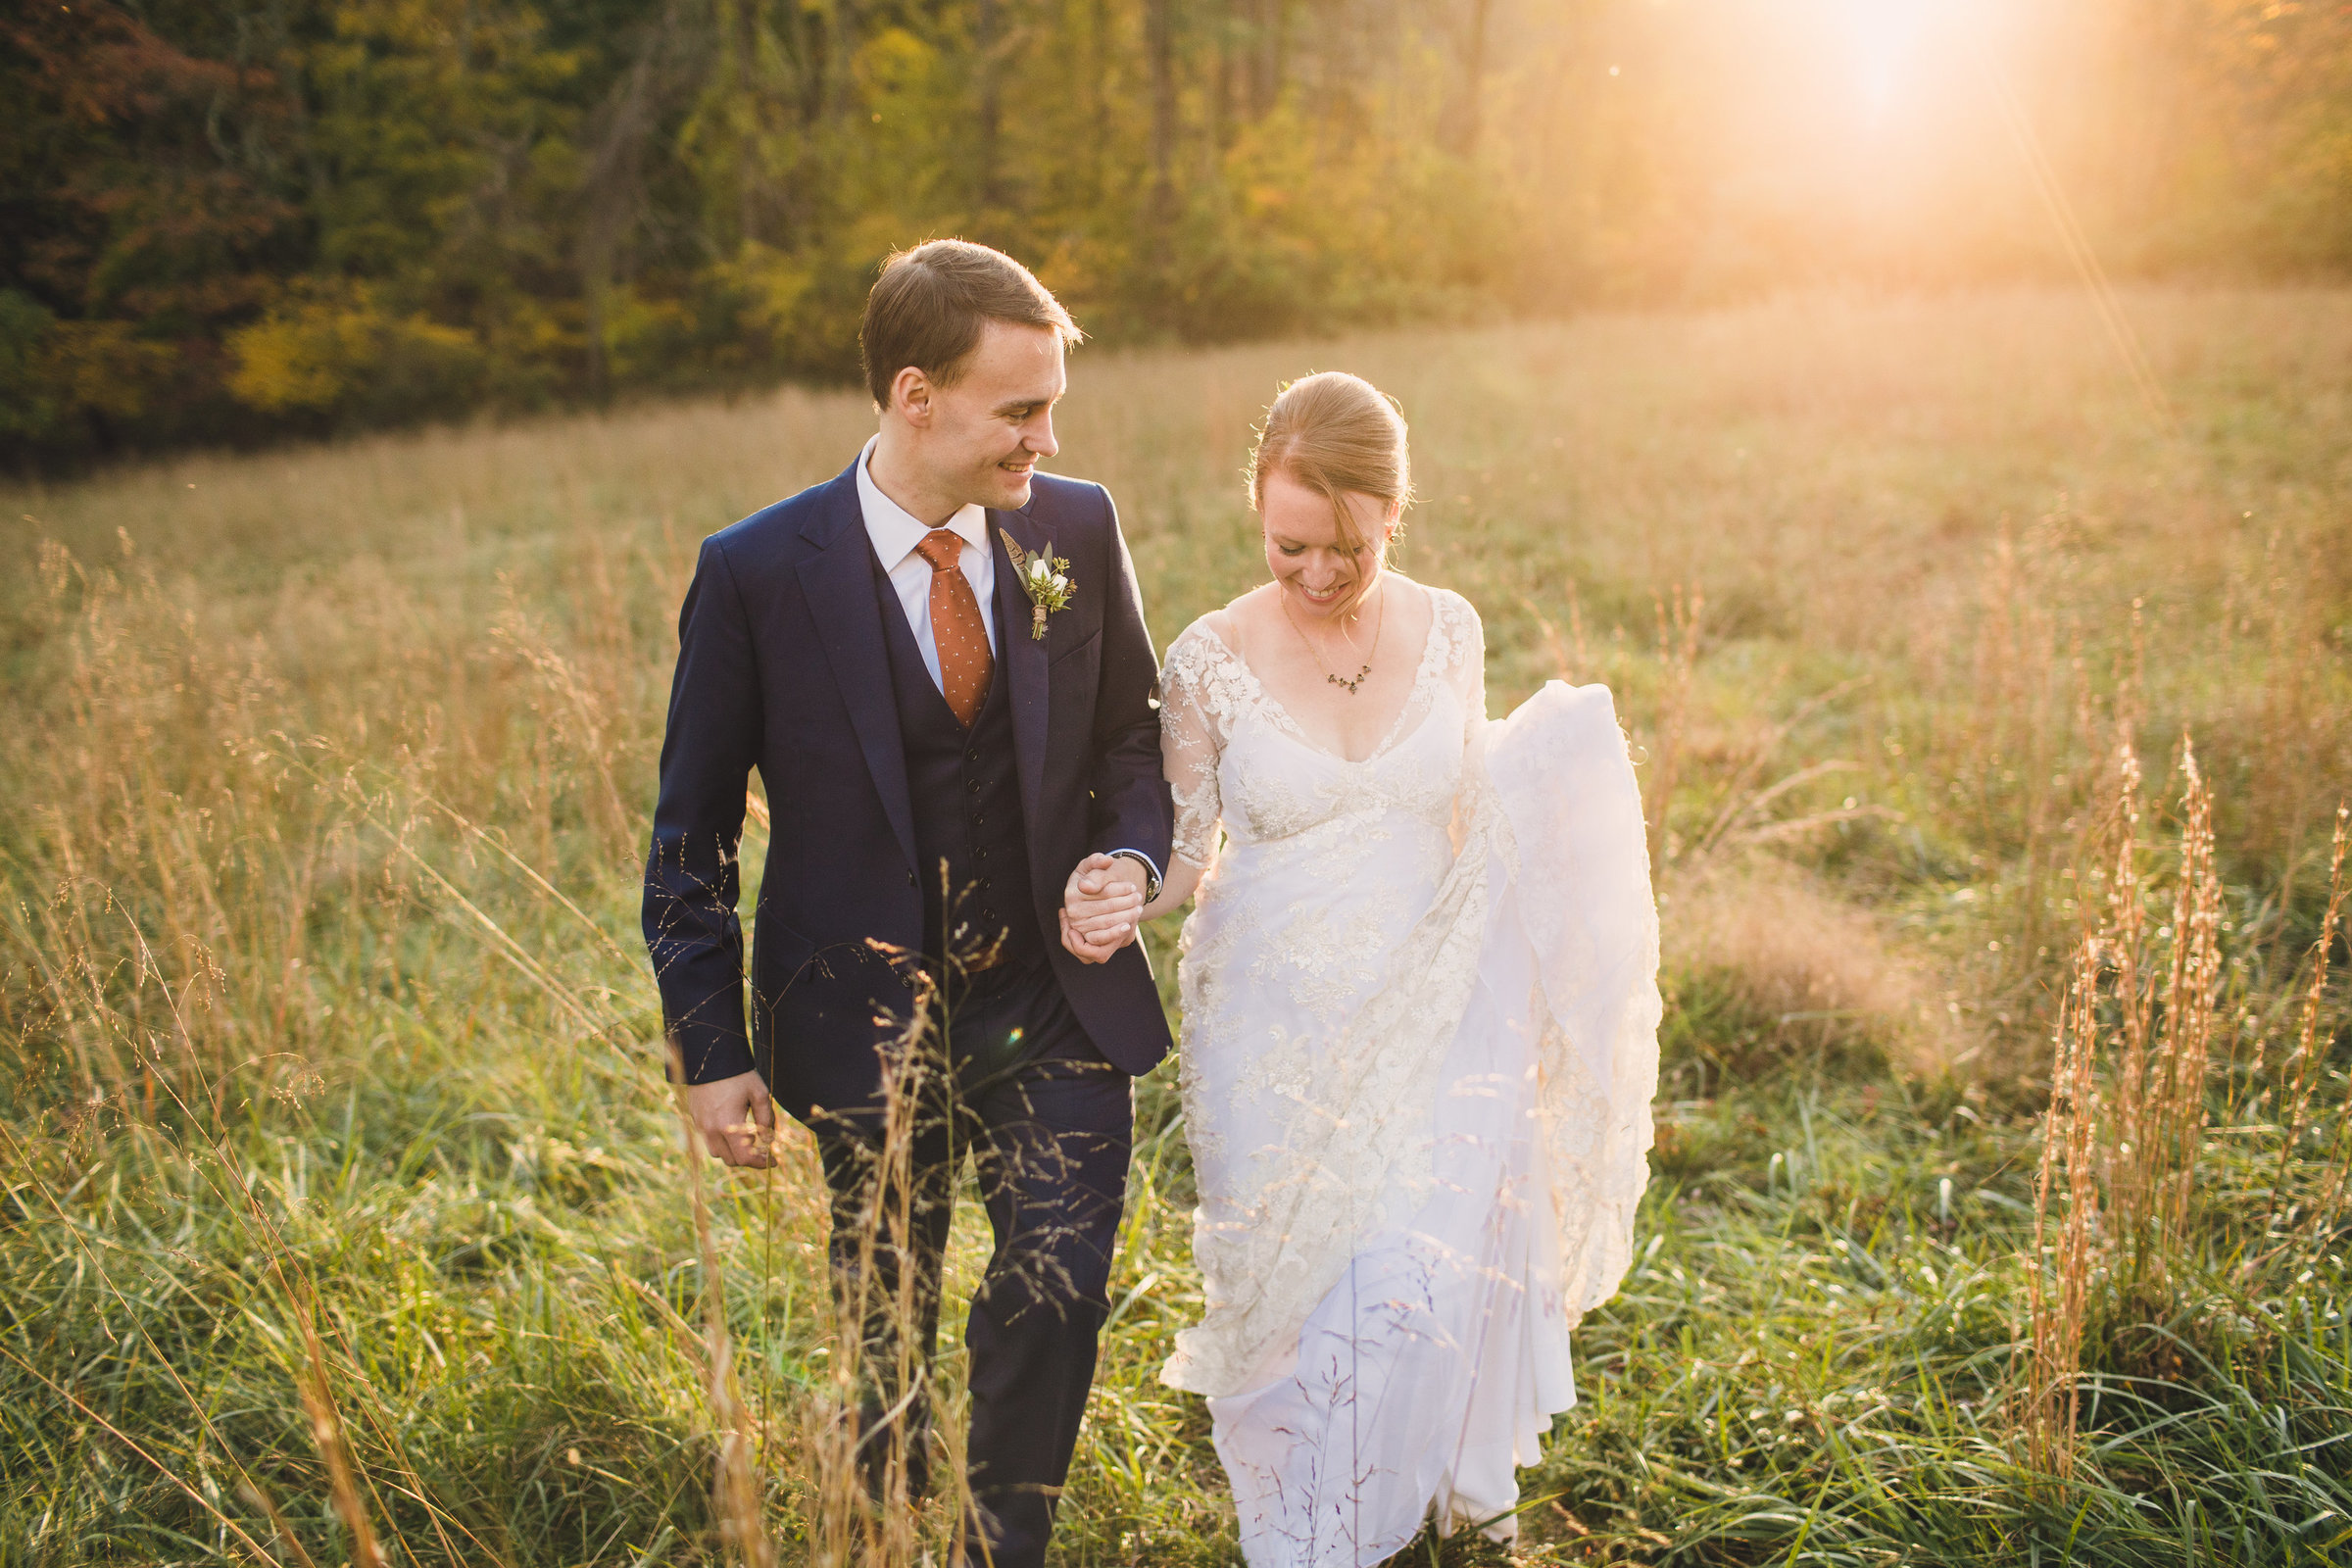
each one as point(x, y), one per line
point(911, 394)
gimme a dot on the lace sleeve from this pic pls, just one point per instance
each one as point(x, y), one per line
point(1464, 668)
point(1192, 739)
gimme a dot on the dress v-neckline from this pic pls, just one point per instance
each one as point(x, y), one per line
point(1288, 723)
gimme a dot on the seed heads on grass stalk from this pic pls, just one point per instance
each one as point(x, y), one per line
point(2303, 1067)
point(2111, 1200)
point(735, 1489)
point(1677, 652)
point(2125, 1138)
point(873, 1437)
point(2058, 1280)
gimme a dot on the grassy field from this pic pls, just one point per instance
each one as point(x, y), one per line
point(333, 1138)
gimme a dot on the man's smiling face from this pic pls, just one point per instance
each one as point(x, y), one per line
point(990, 429)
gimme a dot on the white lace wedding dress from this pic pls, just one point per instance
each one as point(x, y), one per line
point(1419, 1048)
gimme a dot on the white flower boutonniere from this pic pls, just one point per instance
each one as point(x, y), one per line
point(1045, 577)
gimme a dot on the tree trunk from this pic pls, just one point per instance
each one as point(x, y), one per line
point(1278, 49)
point(985, 25)
point(1459, 131)
point(1159, 26)
point(1220, 88)
point(1099, 43)
point(1264, 56)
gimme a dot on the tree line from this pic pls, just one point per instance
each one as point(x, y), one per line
point(224, 220)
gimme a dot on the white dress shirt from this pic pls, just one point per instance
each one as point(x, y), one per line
point(895, 534)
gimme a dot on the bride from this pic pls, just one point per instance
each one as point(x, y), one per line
point(1420, 1015)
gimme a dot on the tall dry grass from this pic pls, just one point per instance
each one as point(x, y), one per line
point(325, 774)
point(2155, 1016)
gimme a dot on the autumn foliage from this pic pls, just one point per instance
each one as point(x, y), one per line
point(228, 219)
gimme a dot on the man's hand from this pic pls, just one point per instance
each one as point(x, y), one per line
point(1098, 907)
point(736, 1118)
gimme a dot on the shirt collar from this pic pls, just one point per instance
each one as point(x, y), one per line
point(897, 532)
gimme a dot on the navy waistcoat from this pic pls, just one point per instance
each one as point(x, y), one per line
point(971, 851)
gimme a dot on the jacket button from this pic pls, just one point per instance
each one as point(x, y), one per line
point(910, 879)
point(973, 785)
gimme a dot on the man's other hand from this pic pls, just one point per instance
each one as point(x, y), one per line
point(735, 1117)
point(1100, 904)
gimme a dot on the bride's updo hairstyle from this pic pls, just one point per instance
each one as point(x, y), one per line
point(1336, 433)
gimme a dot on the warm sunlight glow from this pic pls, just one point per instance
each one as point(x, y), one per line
point(1881, 37)
point(1829, 133)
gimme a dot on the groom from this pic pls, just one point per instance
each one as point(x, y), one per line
point(952, 763)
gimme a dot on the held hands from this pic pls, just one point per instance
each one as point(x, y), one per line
point(736, 1118)
point(1101, 907)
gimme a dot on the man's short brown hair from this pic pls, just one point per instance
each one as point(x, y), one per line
point(931, 304)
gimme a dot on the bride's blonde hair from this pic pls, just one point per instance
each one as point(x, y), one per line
point(1336, 433)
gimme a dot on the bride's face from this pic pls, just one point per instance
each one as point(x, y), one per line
point(1311, 565)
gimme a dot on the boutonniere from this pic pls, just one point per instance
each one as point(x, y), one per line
point(1044, 577)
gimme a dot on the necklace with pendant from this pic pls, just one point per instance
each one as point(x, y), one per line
point(1341, 681)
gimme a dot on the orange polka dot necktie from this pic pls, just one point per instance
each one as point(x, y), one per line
point(958, 632)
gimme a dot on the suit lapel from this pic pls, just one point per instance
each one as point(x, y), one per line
point(1023, 661)
point(838, 584)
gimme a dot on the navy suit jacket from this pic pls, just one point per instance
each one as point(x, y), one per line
point(781, 668)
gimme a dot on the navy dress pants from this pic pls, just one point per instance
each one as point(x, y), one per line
point(1016, 1083)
